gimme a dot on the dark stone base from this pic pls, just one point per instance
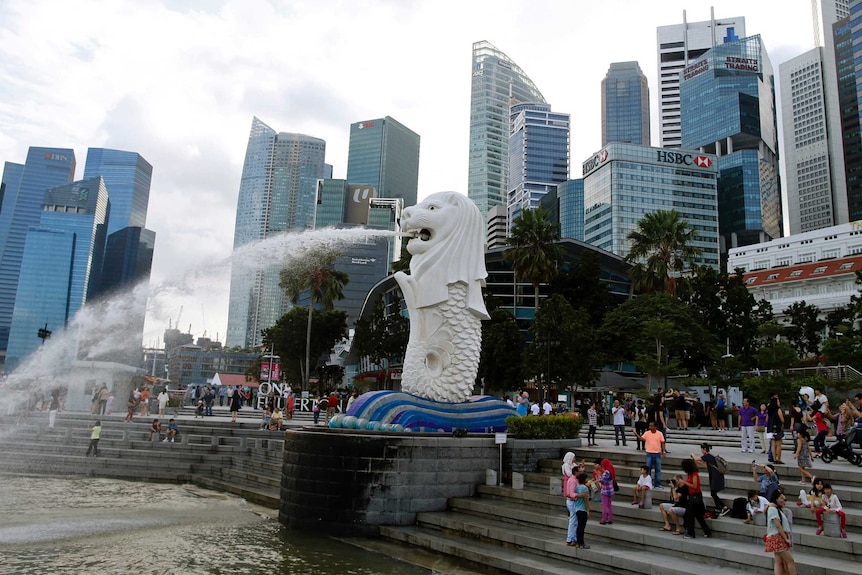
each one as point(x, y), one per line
point(349, 482)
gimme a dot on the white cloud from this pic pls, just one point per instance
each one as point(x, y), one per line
point(179, 83)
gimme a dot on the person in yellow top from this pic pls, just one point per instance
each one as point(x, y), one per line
point(95, 433)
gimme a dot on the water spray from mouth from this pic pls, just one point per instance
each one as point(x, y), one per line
point(101, 330)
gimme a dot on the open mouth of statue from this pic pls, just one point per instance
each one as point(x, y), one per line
point(424, 234)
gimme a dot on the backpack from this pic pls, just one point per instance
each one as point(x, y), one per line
point(720, 464)
point(640, 412)
point(739, 510)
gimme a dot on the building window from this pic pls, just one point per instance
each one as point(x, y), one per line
point(772, 277)
point(819, 270)
point(795, 273)
point(845, 266)
point(750, 281)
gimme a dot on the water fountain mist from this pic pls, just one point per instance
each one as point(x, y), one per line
point(101, 330)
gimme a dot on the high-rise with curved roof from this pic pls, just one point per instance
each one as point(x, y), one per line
point(498, 82)
point(276, 195)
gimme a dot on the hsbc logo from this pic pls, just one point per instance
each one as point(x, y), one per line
point(57, 157)
point(363, 125)
point(667, 157)
point(594, 162)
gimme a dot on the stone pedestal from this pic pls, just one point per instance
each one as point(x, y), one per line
point(648, 499)
point(517, 480)
point(760, 519)
point(831, 525)
point(490, 477)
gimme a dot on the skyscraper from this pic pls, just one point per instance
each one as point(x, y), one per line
point(129, 246)
point(808, 163)
point(813, 121)
point(538, 156)
point(678, 46)
point(623, 182)
point(23, 199)
point(625, 105)
point(727, 100)
point(60, 262)
point(498, 82)
point(276, 195)
point(385, 154)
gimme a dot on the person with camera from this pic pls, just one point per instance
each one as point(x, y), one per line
point(674, 510)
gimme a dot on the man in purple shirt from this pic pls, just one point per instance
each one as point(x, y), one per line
point(747, 418)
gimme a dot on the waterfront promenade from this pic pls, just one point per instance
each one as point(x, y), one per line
point(503, 529)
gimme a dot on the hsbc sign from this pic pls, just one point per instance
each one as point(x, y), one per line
point(594, 162)
point(667, 157)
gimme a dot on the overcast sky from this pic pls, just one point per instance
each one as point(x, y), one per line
point(179, 82)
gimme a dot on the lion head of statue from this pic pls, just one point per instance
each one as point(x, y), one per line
point(448, 246)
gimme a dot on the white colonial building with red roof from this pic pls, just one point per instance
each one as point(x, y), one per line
point(817, 267)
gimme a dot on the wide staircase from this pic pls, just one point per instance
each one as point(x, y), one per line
point(238, 458)
point(523, 530)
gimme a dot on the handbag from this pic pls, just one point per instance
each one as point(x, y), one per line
point(760, 428)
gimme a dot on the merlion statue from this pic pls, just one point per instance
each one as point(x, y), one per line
point(444, 296)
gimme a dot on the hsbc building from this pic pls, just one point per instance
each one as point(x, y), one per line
point(623, 182)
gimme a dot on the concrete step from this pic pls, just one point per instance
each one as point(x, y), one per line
point(524, 507)
point(489, 554)
point(507, 524)
point(266, 497)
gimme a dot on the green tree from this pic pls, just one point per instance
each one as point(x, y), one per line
point(728, 310)
point(628, 331)
point(661, 248)
point(579, 282)
point(774, 353)
point(314, 271)
point(803, 328)
point(500, 366)
point(288, 335)
point(532, 249)
point(563, 351)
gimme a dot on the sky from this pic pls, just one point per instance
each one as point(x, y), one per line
point(179, 82)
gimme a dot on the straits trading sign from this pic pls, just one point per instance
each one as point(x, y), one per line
point(594, 162)
point(695, 69)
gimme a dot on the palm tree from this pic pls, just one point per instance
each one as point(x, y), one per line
point(660, 249)
point(325, 285)
point(532, 248)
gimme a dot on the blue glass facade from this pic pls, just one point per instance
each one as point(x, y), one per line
point(61, 258)
point(497, 81)
point(571, 194)
point(727, 99)
point(127, 176)
point(22, 207)
point(625, 105)
point(277, 194)
point(385, 154)
point(538, 155)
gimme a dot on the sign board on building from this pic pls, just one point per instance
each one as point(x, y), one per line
point(357, 202)
point(594, 162)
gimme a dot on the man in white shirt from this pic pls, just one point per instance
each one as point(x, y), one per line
point(619, 421)
point(547, 408)
point(534, 408)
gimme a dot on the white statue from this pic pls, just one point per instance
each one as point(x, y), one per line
point(444, 296)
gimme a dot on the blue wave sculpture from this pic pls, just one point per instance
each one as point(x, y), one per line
point(398, 411)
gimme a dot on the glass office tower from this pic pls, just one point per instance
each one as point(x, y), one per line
point(623, 182)
point(678, 46)
point(538, 156)
point(385, 154)
point(498, 82)
point(625, 105)
point(276, 195)
point(727, 99)
point(23, 198)
point(565, 205)
point(127, 176)
point(61, 260)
